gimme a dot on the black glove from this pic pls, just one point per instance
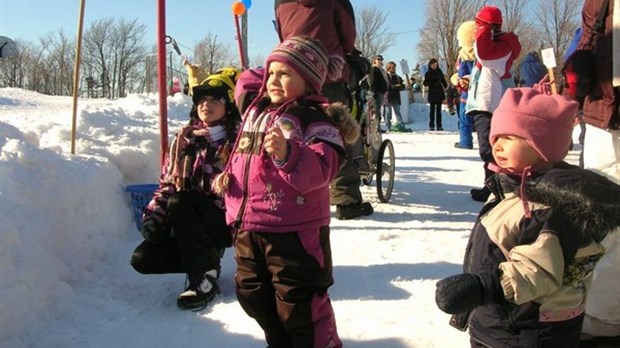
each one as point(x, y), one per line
point(463, 292)
point(152, 232)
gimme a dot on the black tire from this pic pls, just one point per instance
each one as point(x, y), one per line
point(385, 171)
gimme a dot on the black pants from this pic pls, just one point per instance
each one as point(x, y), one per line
point(345, 187)
point(482, 125)
point(435, 116)
point(199, 232)
point(284, 288)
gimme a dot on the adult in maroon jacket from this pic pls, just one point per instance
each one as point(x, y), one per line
point(333, 23)
point(330, 21)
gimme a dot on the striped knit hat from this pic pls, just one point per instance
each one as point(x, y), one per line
point(309, 58)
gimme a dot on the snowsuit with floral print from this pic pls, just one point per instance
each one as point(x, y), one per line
point(281, 214)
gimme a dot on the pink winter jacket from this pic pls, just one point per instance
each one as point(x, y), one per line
point(264, 195)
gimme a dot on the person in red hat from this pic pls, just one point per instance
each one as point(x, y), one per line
point(529, 261)
point(495, 51)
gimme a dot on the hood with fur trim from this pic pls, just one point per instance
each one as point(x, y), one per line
point(340, 115)
point(590, 201)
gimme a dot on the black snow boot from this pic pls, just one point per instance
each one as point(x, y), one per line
point(201, 290)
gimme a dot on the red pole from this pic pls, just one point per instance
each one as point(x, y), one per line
point(161, 75)
point(239, 42)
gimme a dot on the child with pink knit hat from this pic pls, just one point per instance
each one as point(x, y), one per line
point(529, 261)
point(276, 189)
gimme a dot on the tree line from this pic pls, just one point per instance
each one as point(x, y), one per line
point(116, 61)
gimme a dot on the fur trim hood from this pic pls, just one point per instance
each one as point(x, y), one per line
point(340, 115)
point(590, 201)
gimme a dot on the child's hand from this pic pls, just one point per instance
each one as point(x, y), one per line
point(275, 144)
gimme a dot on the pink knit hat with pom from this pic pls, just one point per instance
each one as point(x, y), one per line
point(545, 121)
point(309, 58)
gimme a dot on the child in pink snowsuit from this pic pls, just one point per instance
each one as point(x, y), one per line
point(277, 196)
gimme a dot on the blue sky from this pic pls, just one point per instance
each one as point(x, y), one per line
point(188, 21)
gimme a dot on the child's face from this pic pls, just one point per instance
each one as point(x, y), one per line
point(284, 83)
point(514, 153)
point(210, 109)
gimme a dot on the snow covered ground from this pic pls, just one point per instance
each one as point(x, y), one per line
point(66, 235)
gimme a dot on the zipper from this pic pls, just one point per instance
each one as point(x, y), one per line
point(246, 168)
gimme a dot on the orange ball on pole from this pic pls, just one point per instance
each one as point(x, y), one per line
point(238, 8)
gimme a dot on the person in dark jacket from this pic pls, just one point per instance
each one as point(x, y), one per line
point(333, 23)
point(378, 86)
point(184, 225)
point(531, 70)
point(395, 85)
point(330, 21)
point(436, 83)
point(601, 153)
point(529, 261)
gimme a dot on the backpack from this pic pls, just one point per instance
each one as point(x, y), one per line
point(359, 67)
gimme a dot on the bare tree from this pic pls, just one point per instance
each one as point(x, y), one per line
point(14, 70)
point(373, 36)
point(438, 36)
point(514, 15)
point(558, 20)
point(128, 53)
point(257, 60)
point(97, 50)
point(56, 63)
point(114, 55)
point(212, 54)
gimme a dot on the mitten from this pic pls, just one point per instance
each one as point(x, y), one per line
point(463, 292)
point(153, 232)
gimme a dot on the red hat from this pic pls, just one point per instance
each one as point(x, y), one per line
point(545, 121)
point(490, 14)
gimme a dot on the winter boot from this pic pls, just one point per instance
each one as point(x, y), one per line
point(351, 211)
point(399, 127)
point(201, 290)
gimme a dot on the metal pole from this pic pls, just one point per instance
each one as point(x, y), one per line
point(171, 89)
point(244, 36)
point(76, 74)
point(239, 42)
point(161, 73)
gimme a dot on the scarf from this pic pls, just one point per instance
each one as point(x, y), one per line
point(186, 159)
